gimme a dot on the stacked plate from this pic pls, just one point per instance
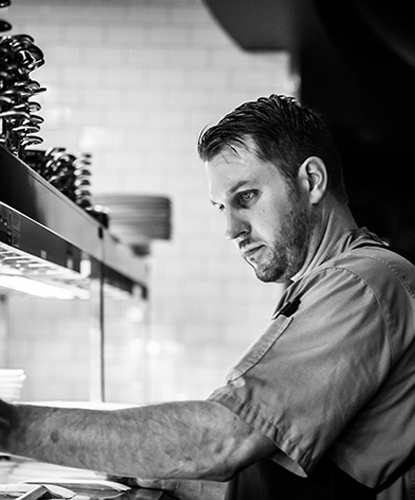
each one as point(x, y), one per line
point(11, 384)
point(6, 467)
point(26, 471)
point(137, 219)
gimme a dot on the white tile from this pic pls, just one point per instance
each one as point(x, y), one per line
point(149, 76)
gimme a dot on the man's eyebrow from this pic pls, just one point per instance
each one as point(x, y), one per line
point(237, 186)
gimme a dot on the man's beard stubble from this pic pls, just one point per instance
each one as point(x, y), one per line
point(289, 252)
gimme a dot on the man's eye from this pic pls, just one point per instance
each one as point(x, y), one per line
point(246, 196)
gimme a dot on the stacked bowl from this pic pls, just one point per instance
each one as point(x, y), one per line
point(11, 384)
point(137, 219)
point(7, 464)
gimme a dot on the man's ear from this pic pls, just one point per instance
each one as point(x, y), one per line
point(313, 177)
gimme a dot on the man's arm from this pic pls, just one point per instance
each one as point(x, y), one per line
point(183, 440)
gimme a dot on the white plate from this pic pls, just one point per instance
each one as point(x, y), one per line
point(17, 489)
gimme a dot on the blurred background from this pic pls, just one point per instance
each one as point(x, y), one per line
point(133, 82)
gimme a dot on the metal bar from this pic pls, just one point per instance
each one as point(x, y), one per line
point(96, 334)
point(4, 331)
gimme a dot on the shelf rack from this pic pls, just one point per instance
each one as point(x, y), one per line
point(46, 236)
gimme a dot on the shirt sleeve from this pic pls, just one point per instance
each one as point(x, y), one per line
point(310, 373)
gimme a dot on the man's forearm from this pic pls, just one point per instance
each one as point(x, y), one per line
point(189, 440)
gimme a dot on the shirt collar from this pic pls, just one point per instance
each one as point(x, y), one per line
point(335, 241)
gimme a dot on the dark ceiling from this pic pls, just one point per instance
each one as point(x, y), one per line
point(356, 60)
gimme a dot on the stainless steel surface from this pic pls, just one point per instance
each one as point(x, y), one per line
point(42, 208)
point(47, 237)
point(28, 249)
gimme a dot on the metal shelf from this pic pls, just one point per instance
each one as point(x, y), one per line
point(48, 239)
point(39, 220)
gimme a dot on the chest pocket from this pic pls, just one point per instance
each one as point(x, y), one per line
point(258, 350)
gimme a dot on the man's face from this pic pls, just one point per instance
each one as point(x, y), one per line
point(270, 222)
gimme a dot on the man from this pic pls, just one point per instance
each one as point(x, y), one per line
point(322, 406)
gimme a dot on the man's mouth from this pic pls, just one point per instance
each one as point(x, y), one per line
point(250, 250)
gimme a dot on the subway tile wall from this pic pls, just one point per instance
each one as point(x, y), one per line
point(133, 82)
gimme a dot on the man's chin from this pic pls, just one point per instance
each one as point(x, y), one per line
point(267, 275)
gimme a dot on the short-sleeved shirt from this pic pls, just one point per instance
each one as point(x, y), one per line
point(334, 373)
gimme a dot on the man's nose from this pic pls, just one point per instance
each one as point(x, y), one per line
point(235, 225)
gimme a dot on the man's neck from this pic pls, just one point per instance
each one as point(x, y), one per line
point(334, 222)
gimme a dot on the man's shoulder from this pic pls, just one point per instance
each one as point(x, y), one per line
point(376, 266)
point(369, 256)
